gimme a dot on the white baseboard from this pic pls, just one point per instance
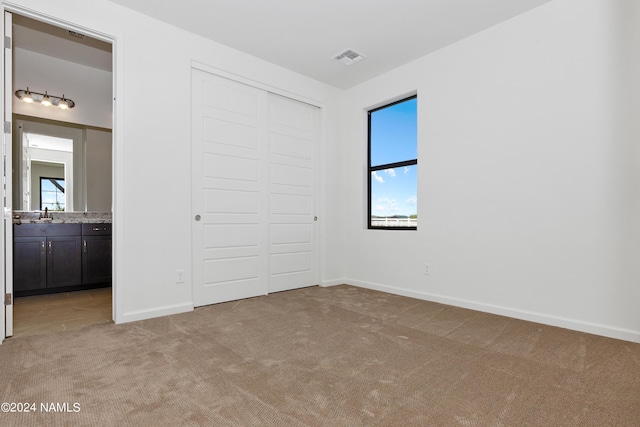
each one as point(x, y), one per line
point(167, 310)
point(581, 326)
point(327, 283)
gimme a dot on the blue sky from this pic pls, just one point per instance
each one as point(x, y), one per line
point(394, 139)
point(50, 194)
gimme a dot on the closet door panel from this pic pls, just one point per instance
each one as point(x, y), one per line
point(229, 184)
point(293, 139)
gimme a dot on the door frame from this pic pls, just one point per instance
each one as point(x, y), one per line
point(319, 159)
point(117, 126)
point(6, 230)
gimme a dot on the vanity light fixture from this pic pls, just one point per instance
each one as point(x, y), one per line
point(45, 99)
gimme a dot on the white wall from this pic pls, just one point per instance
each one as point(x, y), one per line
point(152, 208)
point(529, 172)
point(90, 88)
point(98, 161)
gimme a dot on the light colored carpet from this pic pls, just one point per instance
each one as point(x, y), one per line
point(339, 356)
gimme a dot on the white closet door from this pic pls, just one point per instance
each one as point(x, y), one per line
point(229, 190)
point(293, 139)
point(253, 179)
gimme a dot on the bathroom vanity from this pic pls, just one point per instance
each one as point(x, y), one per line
point(58, 256)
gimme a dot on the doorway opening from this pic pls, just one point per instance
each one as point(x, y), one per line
point(62, 175)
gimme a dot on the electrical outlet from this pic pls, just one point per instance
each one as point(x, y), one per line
point(427, 268)
point(180, 276)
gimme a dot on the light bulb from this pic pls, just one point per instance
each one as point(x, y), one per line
point(46, 100)
point(26, 97)
point(63, 104)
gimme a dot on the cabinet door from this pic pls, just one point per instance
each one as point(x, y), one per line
point(64, 265)
point(29, 263)
point(96, 259)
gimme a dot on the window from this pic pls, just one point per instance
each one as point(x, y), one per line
point(52, 194)
point(393, 166)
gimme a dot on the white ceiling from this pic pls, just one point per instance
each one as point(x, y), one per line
point(304, 35)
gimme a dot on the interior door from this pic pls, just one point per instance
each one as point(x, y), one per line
point(229, 190)
point(293, 138)
point(6, 247)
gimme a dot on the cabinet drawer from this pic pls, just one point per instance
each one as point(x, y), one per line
point(96, 229)
point(46, 230)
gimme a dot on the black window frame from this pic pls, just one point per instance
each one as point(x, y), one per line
point(371, 169)
point(62, 190)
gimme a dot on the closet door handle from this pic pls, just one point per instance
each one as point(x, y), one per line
point(42, 249)
point(84, 246)
point(50, 247)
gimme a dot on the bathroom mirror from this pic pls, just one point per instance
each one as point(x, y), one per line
point(60, 166)
point(47, 180)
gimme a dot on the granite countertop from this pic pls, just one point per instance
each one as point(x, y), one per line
point(31, 217)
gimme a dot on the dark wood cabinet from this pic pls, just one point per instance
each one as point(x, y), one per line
point(29, 263)
point(96, 253)
point(64, 267)
point(60, 257)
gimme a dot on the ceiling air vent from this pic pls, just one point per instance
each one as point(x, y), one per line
point(349, 57)
point(75, 34)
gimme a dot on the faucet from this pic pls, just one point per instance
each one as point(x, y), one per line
point(46, 214)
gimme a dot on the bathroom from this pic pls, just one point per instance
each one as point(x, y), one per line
point(62, 177)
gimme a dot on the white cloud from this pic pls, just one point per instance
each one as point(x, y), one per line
point(406, 169)
point(386, 205)
point(377, 177)
point(390, 172)
point(413, 201)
